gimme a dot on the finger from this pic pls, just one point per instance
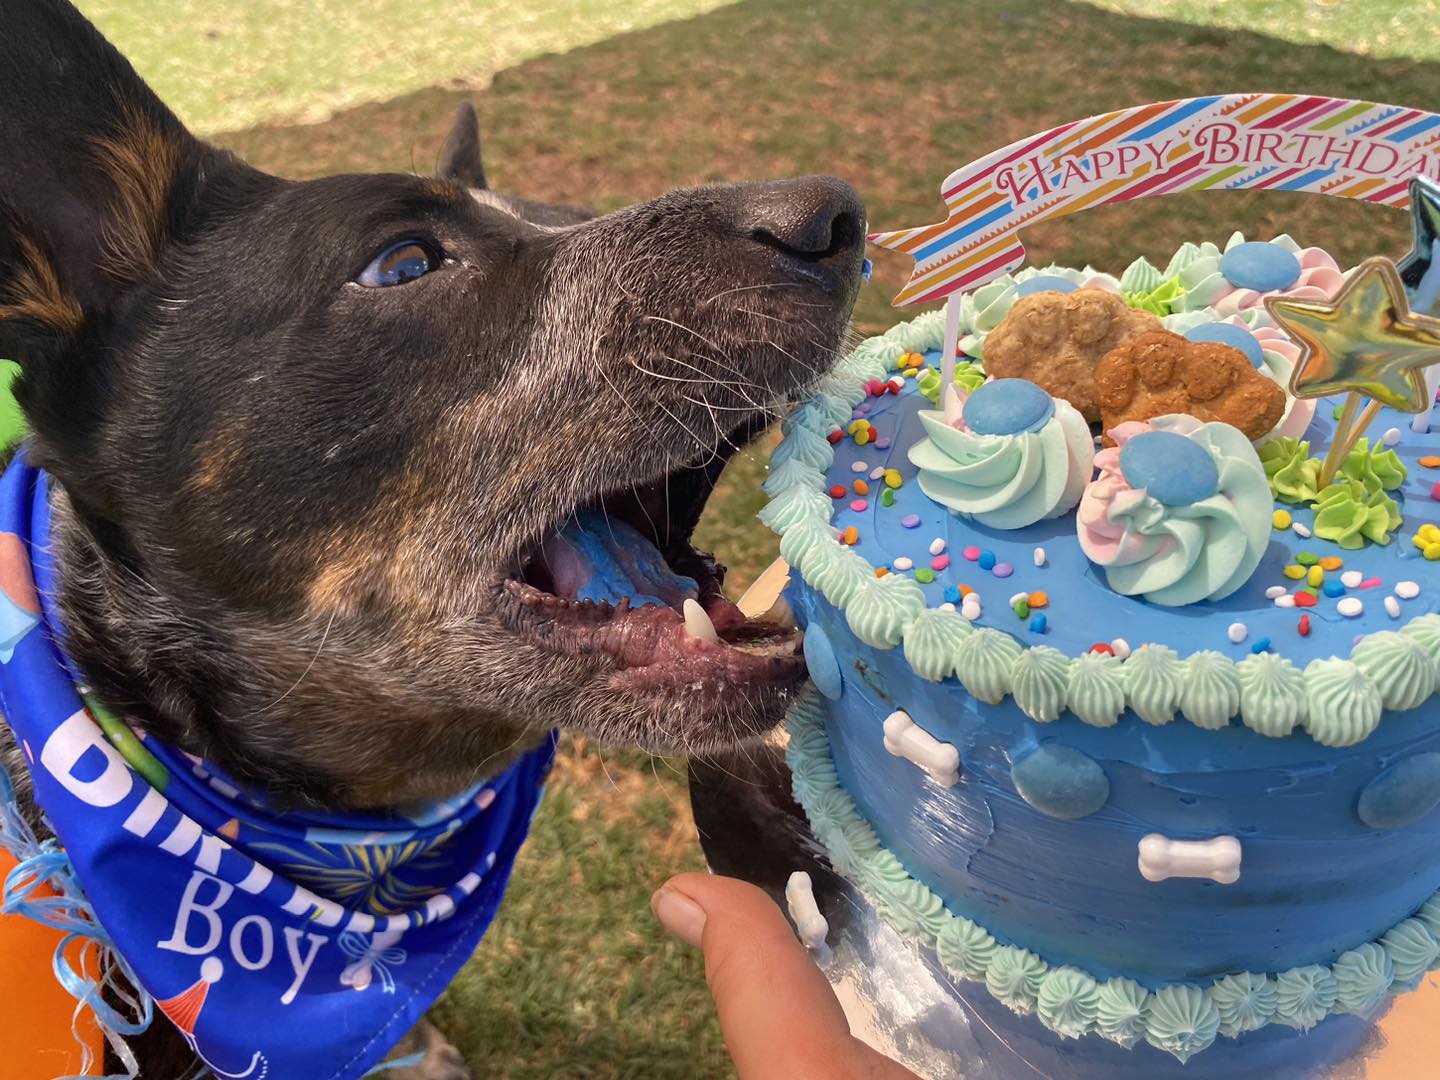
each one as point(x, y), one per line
point(778, 1014)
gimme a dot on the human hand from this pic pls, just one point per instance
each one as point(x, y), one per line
point(780, 1018)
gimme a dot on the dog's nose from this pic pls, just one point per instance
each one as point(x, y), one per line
point(813, 217)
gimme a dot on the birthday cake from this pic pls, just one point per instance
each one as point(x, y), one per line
point(1123, 681)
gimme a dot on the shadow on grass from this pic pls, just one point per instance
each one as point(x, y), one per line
point(575, 980)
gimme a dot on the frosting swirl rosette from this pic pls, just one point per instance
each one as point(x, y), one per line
point(1180, 510)
point(1012, 456)
point(1241, 276)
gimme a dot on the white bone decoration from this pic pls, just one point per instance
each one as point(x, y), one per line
point(904, 738)
point(810, 925)
point(1217, 858)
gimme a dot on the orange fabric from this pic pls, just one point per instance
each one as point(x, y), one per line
point(35, 1020)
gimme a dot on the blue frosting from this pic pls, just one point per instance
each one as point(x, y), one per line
point(1237, 337)
point(1260, 265)
point(1083, 609)
point(823, 667)
point(1060, 782)
point(1044, 283)
point(1173, 469)
point(1008, 407)
point(623, 563)
point(1315, 880)
point(1403, 793)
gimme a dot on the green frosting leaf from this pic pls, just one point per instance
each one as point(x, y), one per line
point(1354, 508)
point(1246, 1002)
point(1014, 977)
point(1159, 301)
point(1362, 979)
point(1039, 682)
point(1412, 949)
point(1210, 690)
point(1304, 996)
point(1344, 704)
point(1293, 474)
point(1182, 1020)
point(965, 949)
point(1272, 694)
point(1121, 1011)
point(1068, 1002)
point(968, 377)
point(1348, 515)
point(1375, 466)
point(1096, 689)
point(1400, 667)
point(1153, 676)
point(983, 664)
point(933, 641)
point(883, 607)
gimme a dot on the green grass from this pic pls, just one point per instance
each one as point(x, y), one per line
point(575, 980)
point(227, 64)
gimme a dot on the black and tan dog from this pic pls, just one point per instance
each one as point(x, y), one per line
point(311, 439)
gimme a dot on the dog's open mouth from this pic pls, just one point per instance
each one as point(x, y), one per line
point(619, 579)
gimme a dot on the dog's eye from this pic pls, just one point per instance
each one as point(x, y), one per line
point(397, 264)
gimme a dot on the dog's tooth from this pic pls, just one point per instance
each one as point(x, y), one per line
point(780, 614)
point(697, 623)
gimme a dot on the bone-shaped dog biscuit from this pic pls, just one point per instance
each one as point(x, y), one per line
point(810, 925)
point(904, 738)
point(1217, 858)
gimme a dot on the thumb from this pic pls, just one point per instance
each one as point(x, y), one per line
point(778, 1014)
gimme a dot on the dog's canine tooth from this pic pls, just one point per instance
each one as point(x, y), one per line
point(697, 623)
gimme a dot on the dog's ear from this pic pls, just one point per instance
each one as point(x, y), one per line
point(96, 175)
point(460, 156)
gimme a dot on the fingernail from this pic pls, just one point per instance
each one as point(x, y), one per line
point(679, 914)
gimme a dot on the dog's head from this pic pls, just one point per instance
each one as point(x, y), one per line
point(356, 472)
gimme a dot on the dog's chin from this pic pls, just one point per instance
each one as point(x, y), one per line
point(720, 675)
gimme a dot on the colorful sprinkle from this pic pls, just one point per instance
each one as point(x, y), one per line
point(1273, 591)
point(859, 505)
point(1431, 551)
point(902, 563)
point(937, 545)
point(1429, 461)
point(1331, 562)
point(1391, 436)
point(940, 562)
point(1351, 579)
point(834, 437)
point(1435, 491)
point(837, 492)
point(887, 497)
point(851, 536)
point(1300, 530)
point(1293, 572)
point(971, 554)
point(892, 478)
point(882, 571)
point(1304, 626)
point(856, 425)
point(966, 590)
point(1307, 558)
point(1037, 599)
point(1038, 623)
point(910, 521)
point(1333, 589)
point(986, 559)
point(1392, 607)
point(1002, 570)
point(1039, 556)
point(1021, 608)
point(1350, 607)
point(1103, 648)
point(1305, 599)
point(861, 487)
point(877, 472)
point(924, 575)
point(857, 466)
point(952, 594)
point(882, 443)
point(1315, 577)
point(1261, 645)
point(1285, 600)
point(861, 438)
point(1370, 583)
point(1281, 519)
point(1237, 632)
point(1120, 647)
point(1407, 590)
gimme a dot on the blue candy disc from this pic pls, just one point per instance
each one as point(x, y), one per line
point(1060, 782)
point(1237, 337)
point(1401, 794)
point(1170, 467)
point(1008, 407)
point(1044, 283)
point(820, 659)
point(1259, 265)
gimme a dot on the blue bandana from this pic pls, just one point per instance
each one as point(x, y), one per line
point(293, 946)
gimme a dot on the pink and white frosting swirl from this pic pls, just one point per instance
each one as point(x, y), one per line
point(1205, 286)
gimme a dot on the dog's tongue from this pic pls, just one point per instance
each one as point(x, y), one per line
point(597, 557)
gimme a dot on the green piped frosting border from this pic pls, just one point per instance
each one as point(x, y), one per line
point(1182, 1019)
point(1337, 701)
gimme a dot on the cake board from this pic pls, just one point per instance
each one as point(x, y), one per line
point(899, 1000)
